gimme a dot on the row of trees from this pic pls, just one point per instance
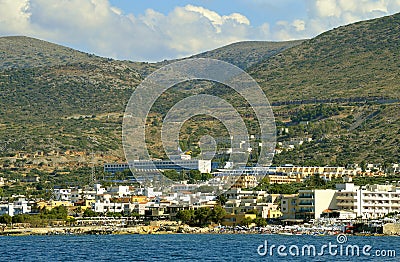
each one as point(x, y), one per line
point(310, 113)
point(45, 215)
point(202, 216)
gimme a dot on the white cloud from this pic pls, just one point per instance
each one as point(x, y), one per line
point(323, 15)
point(14, 16)
point(97, 27)
point(299, 25)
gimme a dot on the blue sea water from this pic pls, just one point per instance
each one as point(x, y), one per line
point(185, 247)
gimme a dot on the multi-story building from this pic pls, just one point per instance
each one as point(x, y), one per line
point(241, 201)
point(371, 201)
point(62, 194)
point(308, 204)
point(204, 166)
point(288, 206)
point(348, 200)
point(7, 209)
point(245, 181)
point(21, 206)
point(284, 179)
point(120, 191)
point(79, 194)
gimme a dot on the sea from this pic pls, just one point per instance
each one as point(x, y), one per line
point(198, 247)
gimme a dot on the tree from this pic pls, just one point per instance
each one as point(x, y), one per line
point(113, 214)
point(221, 199)
point(20, 218)
point(195, 175)
point(172, 174)
point(260, 222)
point(59, 212)
point(89, 213)
point(186, 216)
point(202, 215)
point(206, 176)
point(316, 181)
point(217, 214)
point(5, 219)
point(363, 166)
point(246, 221)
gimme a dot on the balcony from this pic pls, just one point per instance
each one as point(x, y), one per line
point(352, 204)
point(344, 197)
point(307, 196)
point(376, 197)
point(306, 203)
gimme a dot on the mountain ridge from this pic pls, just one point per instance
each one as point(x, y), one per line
point(58, 102)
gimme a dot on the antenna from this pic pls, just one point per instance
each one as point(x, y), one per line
point(92, 178)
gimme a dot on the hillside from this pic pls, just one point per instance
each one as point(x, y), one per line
point(57, 98)
point(248, 53)
point(26, 52)
point(340, 88)
point(356, 67)
point(361, 59)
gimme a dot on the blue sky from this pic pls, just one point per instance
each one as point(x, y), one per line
point(258, 11)
point(153, 30)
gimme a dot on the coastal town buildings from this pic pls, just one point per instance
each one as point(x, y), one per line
point(178, 163)
point(370, 201)
point(308, 204)
point(347, 201)
point(62, 194)
point(241, 201)
point(20, 206)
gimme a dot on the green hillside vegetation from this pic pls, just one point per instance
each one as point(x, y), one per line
point(56, 104)
point(340, 88)
point(26, 52)
point(56, 98)
point(248, 53)
point(351, 61)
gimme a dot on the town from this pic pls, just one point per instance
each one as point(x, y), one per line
point(252, 200)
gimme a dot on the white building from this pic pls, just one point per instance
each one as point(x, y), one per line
point(119, 191)
point(184, 187)
point(80, 194)
point(21, 206)
point(396, 168)
point(183, 163)
point(7, 209)
point(104, 204)
point(62, 194)
point(371, 201)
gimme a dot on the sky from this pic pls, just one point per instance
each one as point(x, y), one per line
point(154, 30)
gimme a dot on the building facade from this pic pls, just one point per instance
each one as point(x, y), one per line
point(204, 166)
point(308, 204)
point(371, 201)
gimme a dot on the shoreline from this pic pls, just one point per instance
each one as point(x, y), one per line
point(155, 230)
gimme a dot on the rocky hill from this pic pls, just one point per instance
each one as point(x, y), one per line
point(340, 88)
